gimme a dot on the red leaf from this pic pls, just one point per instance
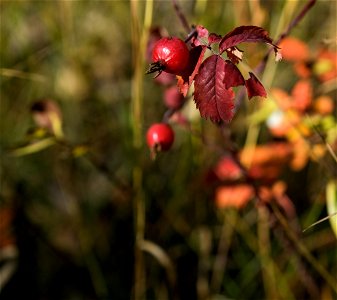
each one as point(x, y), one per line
point(211, 96)
point(234, 54)
point(233, 75)
point(195, 59)
point(214, 38)
point(200, 33)
point(245, 34)
point(201, 36)
point(254, 87)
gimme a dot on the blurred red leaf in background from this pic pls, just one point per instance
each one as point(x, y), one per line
point(294, 49)
point(227, 169)
point(266, 162)
point(233, 196)
point(302, 95)
point(6, 226)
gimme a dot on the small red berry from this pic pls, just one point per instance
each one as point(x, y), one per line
point(160, 137)
point(172, 97)
point(165, 79)
point(169, 54)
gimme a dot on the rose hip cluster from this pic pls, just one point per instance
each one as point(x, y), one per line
point(170, 57)
point(215, 77)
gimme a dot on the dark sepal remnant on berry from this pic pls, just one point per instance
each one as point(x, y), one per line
point(156, 67)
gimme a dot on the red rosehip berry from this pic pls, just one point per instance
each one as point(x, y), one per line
point(171, 55)
point(172, 97)
point(160, 137)
point(165, 79)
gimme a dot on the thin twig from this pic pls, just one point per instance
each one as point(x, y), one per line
point(296, 20)
point(221, 258)
point(322, 137)
point(302, 249)
point(260, 68)
point(181, 17)
point(320, 221)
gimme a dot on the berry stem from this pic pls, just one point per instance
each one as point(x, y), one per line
point(192, 34)
point(168, 114)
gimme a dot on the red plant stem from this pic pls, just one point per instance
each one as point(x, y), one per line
point(260, 68)
point(191, 34)
point(296, 20)
point(181, 17)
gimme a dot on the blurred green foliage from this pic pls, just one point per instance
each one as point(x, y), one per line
point(73, 200)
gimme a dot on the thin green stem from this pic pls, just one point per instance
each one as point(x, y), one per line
point(268, 66)
point(302, 249)
point(140, 32)
point(267, 265)
point(220, 261)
